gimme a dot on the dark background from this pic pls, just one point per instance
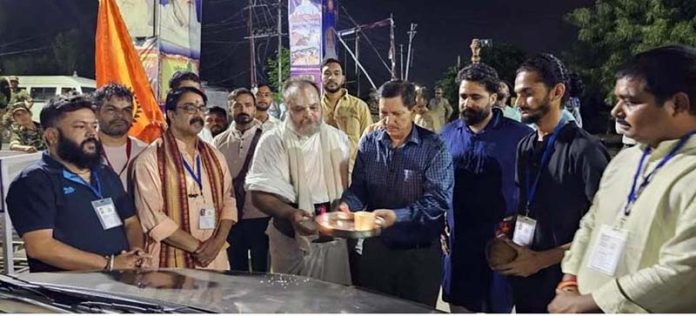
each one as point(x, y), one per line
point(57, 37)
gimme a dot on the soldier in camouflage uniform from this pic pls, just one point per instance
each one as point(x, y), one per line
point(27, 135)
point(19, 95)
point(5, 93)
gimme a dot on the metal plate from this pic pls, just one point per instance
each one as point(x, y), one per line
point(341, 225)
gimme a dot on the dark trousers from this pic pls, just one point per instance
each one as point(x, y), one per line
point(412, 274)
point(249, 235)
point(354, 261)
point(533, 294)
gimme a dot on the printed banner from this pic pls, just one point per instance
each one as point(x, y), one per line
point(330, 19)
point(305, 29)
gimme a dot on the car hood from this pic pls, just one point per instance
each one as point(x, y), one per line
point(231, 292)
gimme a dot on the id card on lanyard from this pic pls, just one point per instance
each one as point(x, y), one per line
point(206, 215)
point(525, 226)
point(609, 247)
point(103, 207)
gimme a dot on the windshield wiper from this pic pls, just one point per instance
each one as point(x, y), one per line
point(138, 307)
point(77, 299)
point(30, 288)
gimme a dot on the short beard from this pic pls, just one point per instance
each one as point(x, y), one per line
point(243, 118)
point(329, 90)
point(261, 107)
point(305, 131)
point(473, 117)
point(107, 130)
point(217, 129)
point(535, 116)
point(73, 153)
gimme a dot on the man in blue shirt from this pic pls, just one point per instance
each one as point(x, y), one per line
point(70, 209)
point(403, 173)
point(483, 144)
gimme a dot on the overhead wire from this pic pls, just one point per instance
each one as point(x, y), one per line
point(367, 38)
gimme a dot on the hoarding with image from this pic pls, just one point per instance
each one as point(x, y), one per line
point(167, 37)
point(305, 29)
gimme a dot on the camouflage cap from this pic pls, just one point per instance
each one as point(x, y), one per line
point(19, 106)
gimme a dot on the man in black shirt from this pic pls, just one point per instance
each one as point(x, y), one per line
point(70, 209)
point(558, 171)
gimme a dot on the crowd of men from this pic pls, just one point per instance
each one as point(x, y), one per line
point(238, 188)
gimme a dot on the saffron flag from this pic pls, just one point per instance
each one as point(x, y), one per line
point(117, 61)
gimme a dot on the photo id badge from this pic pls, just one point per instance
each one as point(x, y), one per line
point(106, 212)
point(206, 219)
point(608, 250)
point(524, 231)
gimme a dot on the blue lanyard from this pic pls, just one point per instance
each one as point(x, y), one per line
point(77, 179)
point(545, 159)
point(196, 177)
point(633, 195)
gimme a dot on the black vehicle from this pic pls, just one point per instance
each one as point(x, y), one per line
point(189, 291)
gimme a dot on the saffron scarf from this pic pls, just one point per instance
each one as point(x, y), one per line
point(175, 193)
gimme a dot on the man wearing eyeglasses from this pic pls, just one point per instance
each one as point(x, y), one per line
point(183, 190)
point(114, 108)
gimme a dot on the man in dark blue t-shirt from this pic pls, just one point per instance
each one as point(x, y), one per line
point(71, 210)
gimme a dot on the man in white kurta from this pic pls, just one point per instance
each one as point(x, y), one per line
point(634, 251)
point(299, 168)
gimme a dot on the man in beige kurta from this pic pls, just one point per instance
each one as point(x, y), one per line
point(187, 236)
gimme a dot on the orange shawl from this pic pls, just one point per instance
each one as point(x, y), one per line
point(175, 195)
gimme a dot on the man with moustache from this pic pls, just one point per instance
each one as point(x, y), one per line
point(113, 105)
point(71, 210)
point(190, 79)
point(482, 143)
point(645, 203)
point(299, 168)
point(264, 101)
point(342, 110)
point(558, 172)
point(183, 190)
point(216, 120)
point(237, 144)
point(403, 174)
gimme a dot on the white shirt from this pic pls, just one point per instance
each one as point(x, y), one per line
point(206, 135)
point(270, 170)
point(270, 123)
point(234, 145)
point(119, 160)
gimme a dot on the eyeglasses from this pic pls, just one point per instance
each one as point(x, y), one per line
point(192, 109)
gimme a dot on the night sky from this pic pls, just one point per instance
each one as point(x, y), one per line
point(445, 29)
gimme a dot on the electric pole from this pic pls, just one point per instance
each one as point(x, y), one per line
point(357, 54)
point(252, 47)
point(392, 47)
point(268, 34)
point(401, 59)
point(280, 46)
point(411, 35)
